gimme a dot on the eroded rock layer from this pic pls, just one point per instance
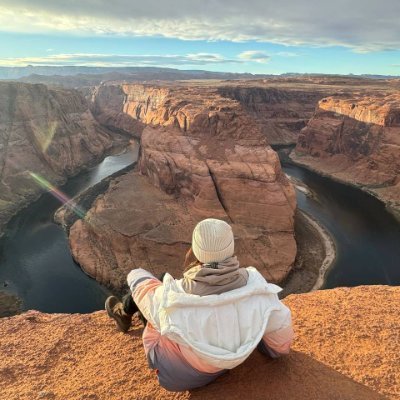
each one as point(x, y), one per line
point(356, 140)
point(202, 155)
point(279, 112)
point(346, 347)
point(51, 133)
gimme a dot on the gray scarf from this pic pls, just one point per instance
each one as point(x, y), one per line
point(215, 278)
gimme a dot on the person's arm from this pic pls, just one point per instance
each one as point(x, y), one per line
point(143, 285)
point(137, 276)
point(279, 333)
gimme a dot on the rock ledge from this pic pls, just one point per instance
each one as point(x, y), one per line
point(347, 347)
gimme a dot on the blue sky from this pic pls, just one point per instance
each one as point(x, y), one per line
point(257, 36)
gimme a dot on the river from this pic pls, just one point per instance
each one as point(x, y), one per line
point(367, 237)
point(36, 264)
point(35, 260)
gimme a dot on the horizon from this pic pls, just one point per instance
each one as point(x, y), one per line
point(216, 36)
point(110, 68)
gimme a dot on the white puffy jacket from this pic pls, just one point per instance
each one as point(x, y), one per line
point(221, 329)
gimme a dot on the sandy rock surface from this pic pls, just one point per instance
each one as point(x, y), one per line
point(347, 347)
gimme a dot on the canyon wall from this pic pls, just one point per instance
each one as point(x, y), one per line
point(356, 139)
point(202, 155)
point(346, 347)
point(280, 113)
point(48, 132)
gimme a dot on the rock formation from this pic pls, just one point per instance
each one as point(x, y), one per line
point(346, 347)
point(280, 113)
point(202, 156)
point(50, 132)
point(356, 140)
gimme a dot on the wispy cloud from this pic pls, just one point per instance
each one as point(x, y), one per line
point(118, 60)
point(256, 56)
point(287, 54)
point(360, 25)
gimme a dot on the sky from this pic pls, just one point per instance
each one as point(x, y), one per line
point(256, 36)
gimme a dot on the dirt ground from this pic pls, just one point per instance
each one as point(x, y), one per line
point(347, 346)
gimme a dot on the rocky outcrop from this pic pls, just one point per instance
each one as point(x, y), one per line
point(280, 113)
point(346, 347)
point(108, 104)
point(49, 132)
point(202, 156)
point(356, 140)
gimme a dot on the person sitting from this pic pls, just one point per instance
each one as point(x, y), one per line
point(209, 321)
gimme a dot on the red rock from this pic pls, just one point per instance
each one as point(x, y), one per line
point(346, 347)
point(280, 112)
point(356, 140)
point(50, 132)
point(205, 157)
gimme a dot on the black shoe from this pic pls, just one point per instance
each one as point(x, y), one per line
point(115, 310)
point(131, 307)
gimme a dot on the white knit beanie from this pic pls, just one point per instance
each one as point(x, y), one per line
point(212, 241)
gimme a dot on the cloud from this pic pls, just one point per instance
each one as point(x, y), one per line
point(256, 56)
point(208, 58)
point(119, 60)
point(358, 24)
point(287, 54)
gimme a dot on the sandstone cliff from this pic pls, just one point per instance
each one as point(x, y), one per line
point(279, 112)
point(356, 140)
point(49, 132)
point(346, 347)
point(202, 155)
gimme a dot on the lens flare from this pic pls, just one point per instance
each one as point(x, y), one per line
point(45, 136)
point(58, 194)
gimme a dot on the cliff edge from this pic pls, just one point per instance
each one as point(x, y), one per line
point(347, 346)
point(356, 140)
